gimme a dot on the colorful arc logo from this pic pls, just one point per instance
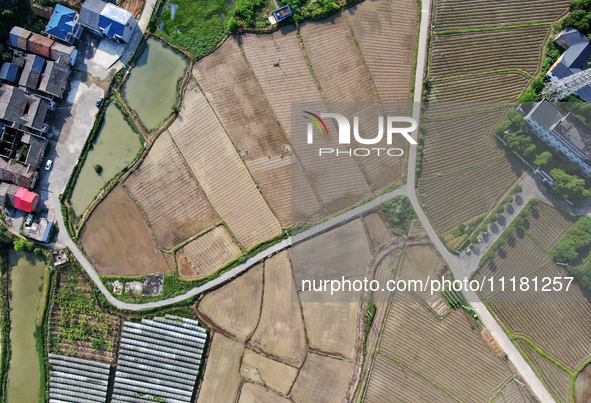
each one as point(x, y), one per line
point(316, 123)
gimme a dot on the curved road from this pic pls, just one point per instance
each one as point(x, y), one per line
point(408, 190)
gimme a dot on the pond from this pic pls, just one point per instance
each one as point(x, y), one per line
point(114, 147)
point(151, 89)
point(27, 282)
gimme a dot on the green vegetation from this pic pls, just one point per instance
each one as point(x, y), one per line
point(569, 186)
point(5, 351)
point(399, 213)
point(579, 17)
point(574, 240)
point(369, 315)
point(517, 189)
point(22, 245)
point(454, 298)
point(198, 26)
point(17, 14)
point(98, 169)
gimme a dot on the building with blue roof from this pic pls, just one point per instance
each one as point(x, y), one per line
point(574, 59)
point(63, 24)
point(107, 19)
point(9, 72)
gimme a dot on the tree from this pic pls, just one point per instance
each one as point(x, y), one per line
point(517, 189)
point(501, 242)
point(493, 217)
point(542, 159)
point(518, 221)
point(38, 251)
point(474, 239)
point(524, 213)
point(510, 231)
point(20, 245)
point(569, 186)
point(98, 169)
point(489, 255)
point(500, 209)
point(535, 202)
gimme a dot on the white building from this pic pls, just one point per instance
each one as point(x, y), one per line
point(564, 133)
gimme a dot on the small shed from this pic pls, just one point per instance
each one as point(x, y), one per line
point(18, 37)
point(9, 72)
point(26, 200)
point(282, 13)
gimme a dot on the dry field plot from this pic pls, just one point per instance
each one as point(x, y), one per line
point(207, 253)
point(118, 242)
point(221, 173)
point(262, 52)
point(556, 380)
point(252, 393)
point(493, 87)
point(221, 380)
point(386, 32)
point(548, 224)
point(237, 99)
point(413, 336)
point(376, 230)
point(275, 374)
point(389, 382)
point(468, 132)
point(462, 14)
point(170, 197)
point(420, 263)
point(331, 327)
point(321, 380)
point(336, 60)
point(476, 52)
point(518, 258)
point(324, 257)
point(280, 332)
point(465, 194)
point(559, 323)
point(344, 78)
point(236, 306)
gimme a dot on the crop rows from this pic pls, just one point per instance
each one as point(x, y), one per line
point(222, 175)
point(502, 86)
point(169, 195)
point(415, 337)
point(518, 258)
point(235, 96)
point(555, 378)
point(76, 327)
point(209, 252)
point(466, 194)
point(389, 382)
point(463, 14)
point(557, 322)
point(515, 393)
point(467, 132)
point(474, 52)
point(386, 33)
point(548, 224)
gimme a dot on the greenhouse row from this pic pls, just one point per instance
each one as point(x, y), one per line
point(74, 380)
point(158, 360)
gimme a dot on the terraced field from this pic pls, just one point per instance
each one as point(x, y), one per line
point(207, 253)
point(169, 195)
point(515, 393)
point(559, 323)
point(466, 193)
point(518, 258)
point(493, 87)
point(222, 175)
point(415, 338)
point(237, 100)
point(548, 224)
point(389, 381)
point(556, 380)
point(442, 139)
point(461, 14)
point(518, 48)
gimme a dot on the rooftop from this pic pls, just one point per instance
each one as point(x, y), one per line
point(62, 22)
